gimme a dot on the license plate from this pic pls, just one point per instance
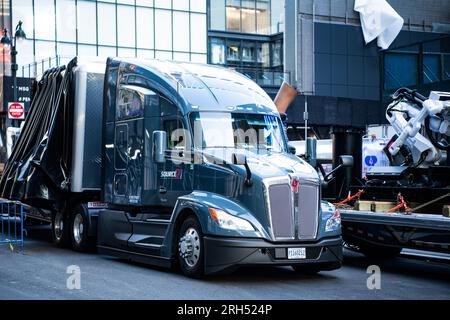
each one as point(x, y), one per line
point(296, 253)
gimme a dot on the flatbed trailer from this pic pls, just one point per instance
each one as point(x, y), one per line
point(386, 234)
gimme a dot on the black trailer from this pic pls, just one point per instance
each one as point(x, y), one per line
point(386, 234)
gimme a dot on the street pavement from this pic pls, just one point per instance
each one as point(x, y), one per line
point(40, 272)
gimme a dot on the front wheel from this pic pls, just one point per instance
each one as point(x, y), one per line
point(191, 248)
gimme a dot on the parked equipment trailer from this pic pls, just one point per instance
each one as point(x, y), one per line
point(406, 204)
point(170, 163)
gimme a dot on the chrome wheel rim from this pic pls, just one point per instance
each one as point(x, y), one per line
point(78, 228)
point(189, 247)
point(59, 225)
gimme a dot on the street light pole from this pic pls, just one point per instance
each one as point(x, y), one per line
point(14, 68)
point(19, 34)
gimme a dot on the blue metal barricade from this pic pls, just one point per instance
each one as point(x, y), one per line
point(11, 217)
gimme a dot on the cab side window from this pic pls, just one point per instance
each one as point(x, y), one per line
point(129, 105)
point(176, 139)
point(173, 125)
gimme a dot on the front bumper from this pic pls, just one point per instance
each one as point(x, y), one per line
point(227, 254)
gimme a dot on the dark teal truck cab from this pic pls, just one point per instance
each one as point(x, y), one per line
point(226, 192)
point(195, 170)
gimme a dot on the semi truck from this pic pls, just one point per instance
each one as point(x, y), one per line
point(171, 164)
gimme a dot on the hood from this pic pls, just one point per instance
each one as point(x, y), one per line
point(264, 163)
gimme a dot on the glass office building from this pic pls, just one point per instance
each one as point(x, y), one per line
point(248, 35)
point(162, 29)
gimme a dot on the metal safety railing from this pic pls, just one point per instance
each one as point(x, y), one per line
point(12, 229)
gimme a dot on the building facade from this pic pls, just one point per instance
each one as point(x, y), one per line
point(347, 82)
point(247, 35)
point(162, 29)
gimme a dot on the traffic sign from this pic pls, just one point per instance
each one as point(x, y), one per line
point(16, 111)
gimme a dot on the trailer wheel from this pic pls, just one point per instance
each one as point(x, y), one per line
point(191, 248)
point(60, 232)
point(79, 228)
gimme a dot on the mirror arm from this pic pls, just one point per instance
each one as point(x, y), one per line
point(322, 171)
point(248, 179)
point(327, 177)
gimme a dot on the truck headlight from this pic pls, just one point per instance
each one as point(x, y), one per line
point(334, 222)
point(228, 221)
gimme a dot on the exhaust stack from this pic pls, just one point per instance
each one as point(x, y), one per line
point(285, 96)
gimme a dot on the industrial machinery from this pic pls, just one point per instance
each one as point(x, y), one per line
point(405, 204)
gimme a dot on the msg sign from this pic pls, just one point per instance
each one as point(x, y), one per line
point(16, 110)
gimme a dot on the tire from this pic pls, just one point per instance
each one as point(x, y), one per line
point(190, 248)
point(379, 252)
point(79, 230)
point(60, 229)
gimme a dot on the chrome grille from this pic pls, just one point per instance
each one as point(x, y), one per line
point(308, 210)
point(292, 216)
point(281, 211)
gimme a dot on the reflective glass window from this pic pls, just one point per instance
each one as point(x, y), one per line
point(126, 26)
point(163, 29)
point(106, 24)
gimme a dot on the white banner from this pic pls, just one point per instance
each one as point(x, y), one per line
point(379, 20)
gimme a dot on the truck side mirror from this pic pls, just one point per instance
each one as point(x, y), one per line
point(346, 161)
point(159, 146)
point(291, 149)
point(239, 159)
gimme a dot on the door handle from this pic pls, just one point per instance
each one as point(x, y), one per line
point(162, 190)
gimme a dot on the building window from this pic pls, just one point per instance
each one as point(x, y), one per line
point(431, 68)
point(401, 70)
point(277, 16)
point(248, 53)
point(248, 16)
point(263, 54)
point(87, 25)
point(233, 54)
point(277, 53)
point(217, 14)
point(233, 15)
point(263, 16)
point(217, 51)
point(106, 24)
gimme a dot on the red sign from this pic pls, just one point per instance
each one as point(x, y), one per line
point(16, 110)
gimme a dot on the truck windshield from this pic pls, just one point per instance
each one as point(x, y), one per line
point(238, 130)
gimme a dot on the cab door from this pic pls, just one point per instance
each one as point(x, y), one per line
point(175, 174)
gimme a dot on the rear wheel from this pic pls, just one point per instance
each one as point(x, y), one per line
point(79, 227)
point(60, 230)
point(191, 249)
